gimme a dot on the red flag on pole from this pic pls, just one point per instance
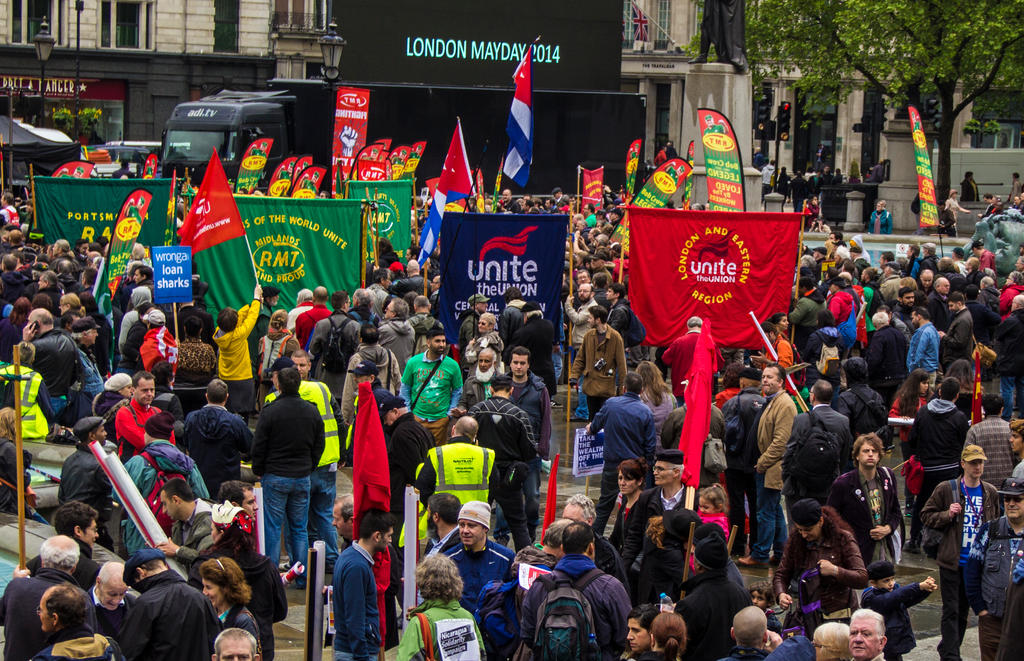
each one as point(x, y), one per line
point(976, 397)
point(593, 186)
point(698, 405)
point(214, 216)
point(552, 497)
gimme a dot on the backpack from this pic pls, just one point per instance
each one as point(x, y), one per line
point(153, 498)
point(498, 619)
point(338, 349)
point(636, 332)
point(816, 458)
point(828, 361)
point(873, 418)
point(739, 437)
point(565, 620)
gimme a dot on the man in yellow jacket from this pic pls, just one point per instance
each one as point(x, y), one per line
point(234, 365)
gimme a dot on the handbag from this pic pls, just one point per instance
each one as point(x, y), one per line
point(714, 455)
point(988, 355)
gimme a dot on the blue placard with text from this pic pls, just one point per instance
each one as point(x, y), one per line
point(172, 274)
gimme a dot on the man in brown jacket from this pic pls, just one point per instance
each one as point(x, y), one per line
point(601, 361)
point(957, 508)
point(773, 431)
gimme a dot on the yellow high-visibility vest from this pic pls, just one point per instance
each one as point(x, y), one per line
point(463, 470)
point(33, 422)
point(318, 395)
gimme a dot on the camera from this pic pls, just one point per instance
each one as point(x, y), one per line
point(600, 364)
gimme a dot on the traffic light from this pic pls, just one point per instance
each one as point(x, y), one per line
point(930, 110)
point(784, 116)
point(764, 114)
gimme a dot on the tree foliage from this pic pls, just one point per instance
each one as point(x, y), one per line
point(955, 49)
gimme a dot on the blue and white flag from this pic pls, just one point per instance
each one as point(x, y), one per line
point(520, 123)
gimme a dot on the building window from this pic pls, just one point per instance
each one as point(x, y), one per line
point(627, 24)
point(225, 26)
point(27, 17)
point(662, 112)
point(127, 25)
point(661, 39)
point(105, 25)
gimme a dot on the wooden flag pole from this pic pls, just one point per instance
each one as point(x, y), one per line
point(20, 456)
point(568, 391)
point(32, 180)
point(362, 247)
point(252, 259)
point(732, 538)
point(689, 551)
point(579, 202)
point(176, 336)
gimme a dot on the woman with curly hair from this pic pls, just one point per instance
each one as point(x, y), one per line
point(233, 538)
point(224, 585)
point(656, 394)
point(440, 585)
point(824, 560)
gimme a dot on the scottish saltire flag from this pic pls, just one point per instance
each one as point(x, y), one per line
point(454, 184)
point(520, 123)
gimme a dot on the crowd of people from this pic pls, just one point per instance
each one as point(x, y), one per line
point(793, 481)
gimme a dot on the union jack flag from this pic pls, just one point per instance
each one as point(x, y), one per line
point(639, 23)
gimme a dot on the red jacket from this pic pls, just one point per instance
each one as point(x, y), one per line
point(1006, 298)
point(130, 423)
point(305, 322)
point(840, 304)
point(678, 357)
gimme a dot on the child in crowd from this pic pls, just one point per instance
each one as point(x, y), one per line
point(762, 595)
point(888, 598)
point(713, 505)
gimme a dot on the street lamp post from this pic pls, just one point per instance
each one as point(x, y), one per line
point(331, 46)
point(79, 6)
point(44, 46)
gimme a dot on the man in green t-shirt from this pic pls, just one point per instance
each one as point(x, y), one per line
point(432, 385)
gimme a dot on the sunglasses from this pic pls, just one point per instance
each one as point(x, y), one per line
point(1013, 499)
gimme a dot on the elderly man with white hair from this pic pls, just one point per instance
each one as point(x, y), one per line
point(24, 635)
point(581, 508)
point(1009, 346)
point(110, 599)
point(235, 644)
point(886, 356)
point(867, 635)
point(303, 301)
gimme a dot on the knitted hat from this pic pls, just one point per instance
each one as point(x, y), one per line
point(117, 382)
point(160, 426)
point(477, 512)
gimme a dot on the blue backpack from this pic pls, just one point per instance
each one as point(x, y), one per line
point(497, 617)
point(636, 333)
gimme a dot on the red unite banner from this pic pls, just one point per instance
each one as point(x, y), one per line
point(593, 186)
point(710, 264)
point(350, 118)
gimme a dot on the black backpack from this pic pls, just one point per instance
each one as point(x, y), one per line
point(565, 620)
point(816, 458)
point(338, 349)
point(871, 418)
point(635, 333)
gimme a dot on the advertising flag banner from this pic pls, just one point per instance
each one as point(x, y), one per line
point(126, 232)
point(632, 163)
point(393, 218)
point(351, 113)
point(487, 253)
point(149, 167)
point(663, 184)
point(253, 162)
point(309, 182)
point(722, 161)
point(213, 218)
point(593, 186)
point(72, 209)
point(75, 169)
point(281, 181)
point(496, 198)
point(300, 165)
point(712, 265)
point(480, 191)
point(171, 226)
point(688, 185)
point(298, 243)
point(923, 165)
point(414, 159)
point(398, 158)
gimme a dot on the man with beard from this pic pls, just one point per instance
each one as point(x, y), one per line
point(477, 386)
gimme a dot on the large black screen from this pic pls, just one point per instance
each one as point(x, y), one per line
point(480, 42)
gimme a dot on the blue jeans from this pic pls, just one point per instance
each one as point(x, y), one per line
point(771, 523)
point(531, 489)
point(581, 407)
point(286, 497)
point(322, 491)
point(1007, 386)
point(343, 656)
point(556, 358)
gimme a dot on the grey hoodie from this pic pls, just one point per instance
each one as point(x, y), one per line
point(399, 336)
point(139, 296)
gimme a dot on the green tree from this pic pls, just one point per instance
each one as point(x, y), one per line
point(903, 48)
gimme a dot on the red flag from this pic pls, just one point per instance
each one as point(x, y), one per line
point(158, 344)
point(214, 216)
point(710, 264)
point(976, 397)
point(593, 186)
point(552, 497)
point(698, 405)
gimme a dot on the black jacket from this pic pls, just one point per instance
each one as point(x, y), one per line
point(835, 422)
point(82, 479)
point(289, 438)
point(661, 569)
point(85, 571)
point(865, 410)
point(216, 439)
point(204, 317)
point(812, 352)
point(893, 605)
point(268, 604)
point(938, 434)
point(959, 339)
point(14, 284)
point(537, 335)
point(1009, 345)
point(985, 321)
point(9, 472)
point(938, 307)
point(171, 621)
point(504, 428)
point(104, 339)
point(886, 356)
point(56, 361)
point(608, 560)
point(18, 612)
point(748, 405)
point(710, 603)
point(407, 443)
point(131, 356)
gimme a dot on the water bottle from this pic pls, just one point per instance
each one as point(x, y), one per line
point(665, 605)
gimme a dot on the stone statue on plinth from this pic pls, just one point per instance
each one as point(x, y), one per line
point(723, 26)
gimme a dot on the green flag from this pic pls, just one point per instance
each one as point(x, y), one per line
point(87, 209)
point(392, 217)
